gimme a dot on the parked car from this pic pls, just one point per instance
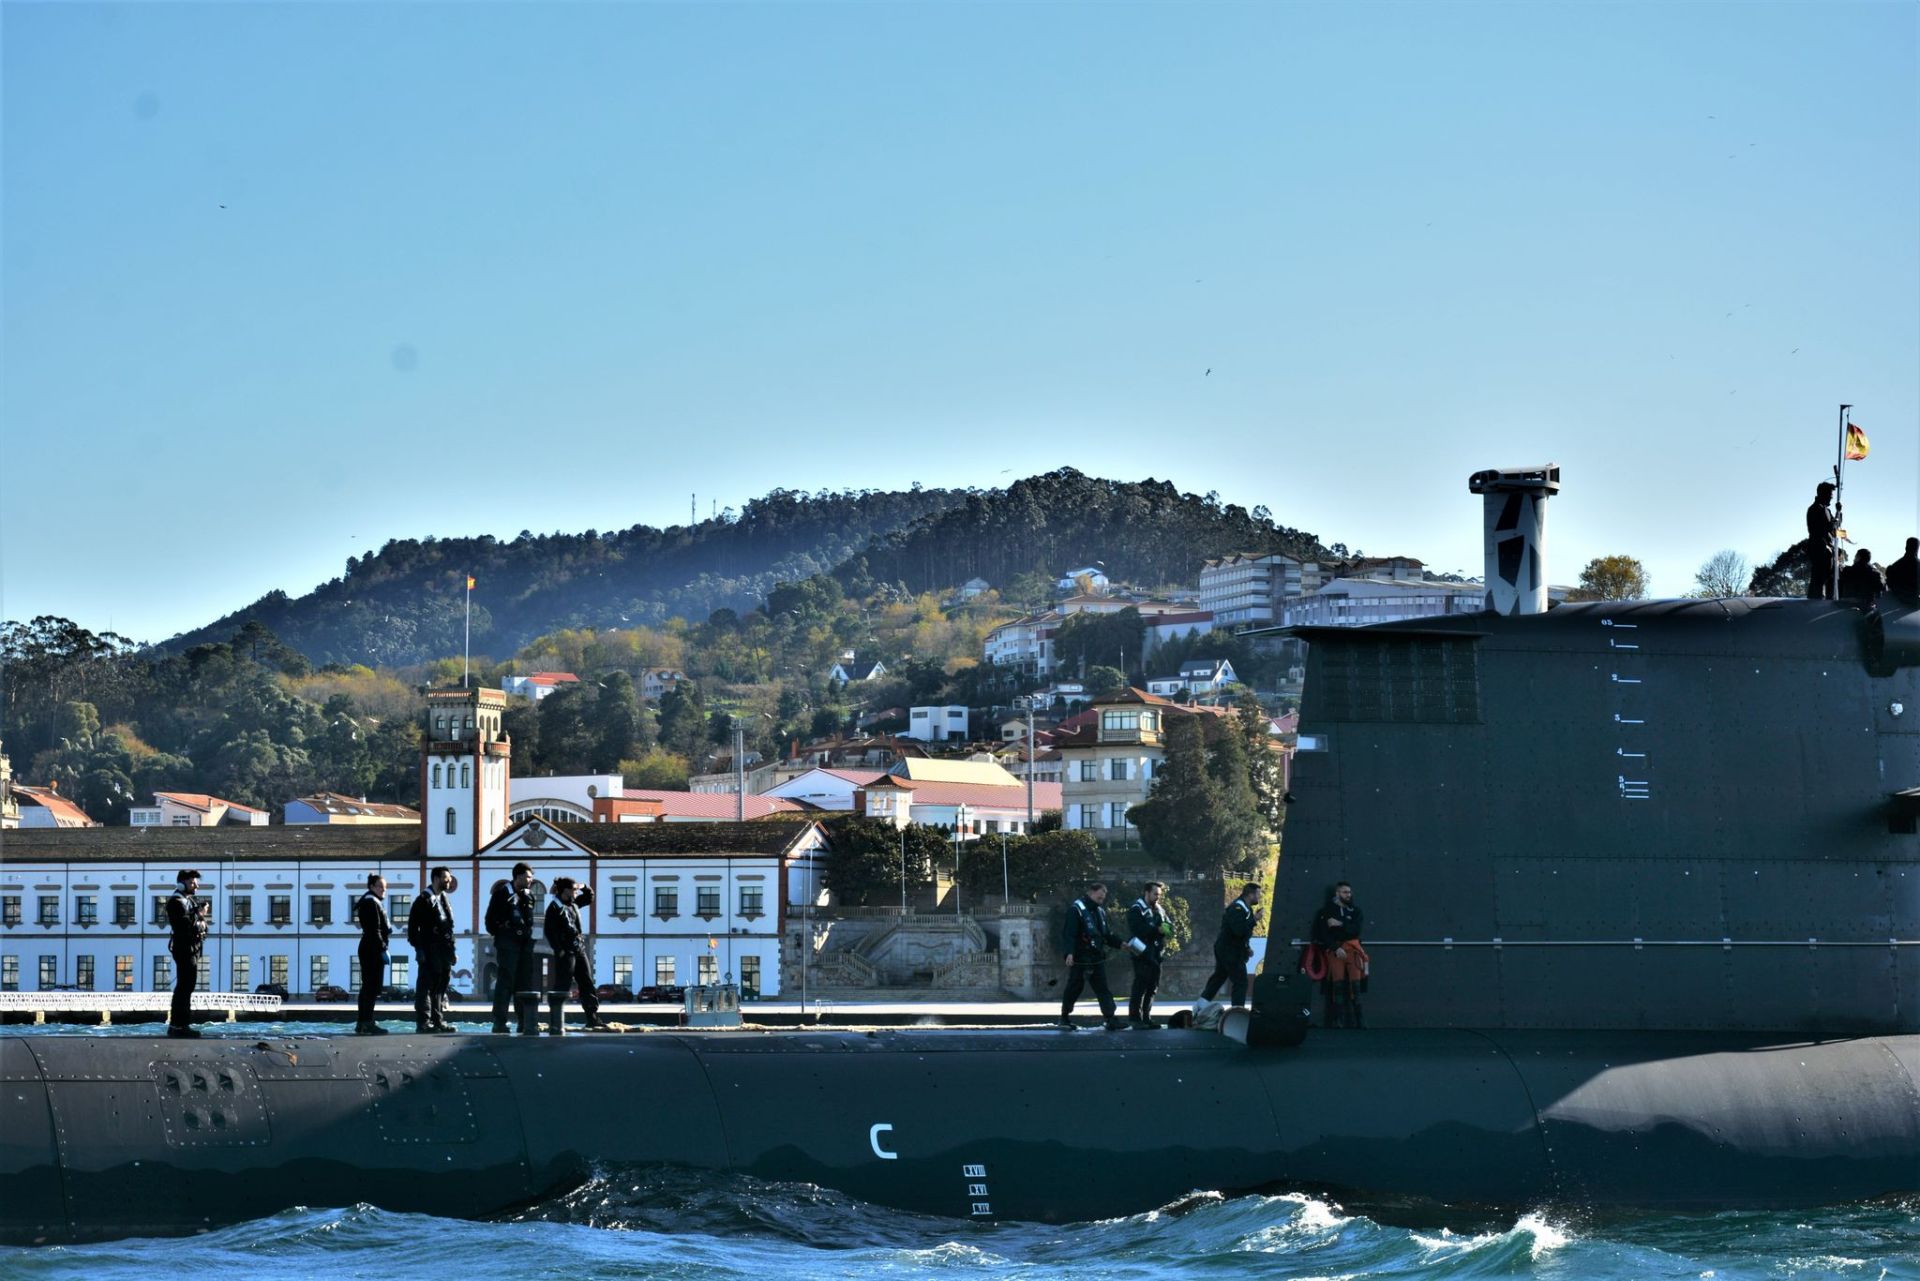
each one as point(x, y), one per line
point(394, 993)
point(331, 992)
point(614, 992)
point(270, 989)
point(673, 992)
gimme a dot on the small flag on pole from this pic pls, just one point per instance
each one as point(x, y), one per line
point(1856, 444)
point(470, 576)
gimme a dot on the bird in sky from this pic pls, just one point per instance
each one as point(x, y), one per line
point(1208, 374)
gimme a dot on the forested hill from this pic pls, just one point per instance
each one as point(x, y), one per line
point(403, 604)
point(1142, 532)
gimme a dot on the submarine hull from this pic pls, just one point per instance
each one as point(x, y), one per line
point(127, 1136)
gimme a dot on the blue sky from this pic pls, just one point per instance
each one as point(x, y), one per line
point(284, 281)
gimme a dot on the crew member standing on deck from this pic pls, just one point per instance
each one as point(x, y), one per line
point(1903, 576)
point(1336, 928)
point(1822, 524)
point(376, 931)
point(562, 930)
point(187, 929)
point(510, 921)
point(583, 965)
point(1085, 937)
point(1233, 946)
point(1147, 931)
point(1860, 582)
point(430, 934)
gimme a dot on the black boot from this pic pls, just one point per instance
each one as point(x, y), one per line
point(557, 1015)
point(1353, 1005)
point(527, 1004)
point(1333, 1006)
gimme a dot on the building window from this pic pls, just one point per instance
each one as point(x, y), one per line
point(162, 974)
point(1125, 721)
point(1089, 816)
point(752, 900)
point(707, 968)
point(623, 971)
point(1117, 814)
point(49, 972)
point(86, 909)
point(318, 968)
point(240, 909)
point(663, 971)
point(1117, 770)
point(123, 909)
point(83, 973)
point(436, 776)
point(160, 910)
point(750, 975)
point(1089, 771)
point(466, 773)
point(319, 909)
point(666, 900)
point(181, 820)
point(203, 972)
point(49, 909)
point(9, 974)
point(243, 974)
point(453, 822)
point(399, 906)
point(353, 973)
point(279, 909)
point(709, 900)
point(398, 970)
point(623, 896)
point(277, 970)
point(123, 974)
point(9, 909)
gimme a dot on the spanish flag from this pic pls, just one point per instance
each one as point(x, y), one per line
point(1863, 455)
point(1856, 444)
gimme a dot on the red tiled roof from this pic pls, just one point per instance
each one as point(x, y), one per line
point(203, 802)
point(708, 805)
point(65, 812)
point(552, 678)
point(858, 777)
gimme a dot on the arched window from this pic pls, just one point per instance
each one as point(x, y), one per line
point(436, 774)
point(466, 779)
point(453, 822)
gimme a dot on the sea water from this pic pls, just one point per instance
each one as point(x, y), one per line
point(700, 1226)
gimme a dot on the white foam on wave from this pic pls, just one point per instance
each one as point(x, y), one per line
point(1543, 1238)
point(1308, 1217)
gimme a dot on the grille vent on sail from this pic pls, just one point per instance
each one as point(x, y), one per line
point(1420, 679)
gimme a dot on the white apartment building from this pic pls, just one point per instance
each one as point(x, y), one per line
point(1249, 590)
point(936, 724)
point(194, 809)
point(1356, 602)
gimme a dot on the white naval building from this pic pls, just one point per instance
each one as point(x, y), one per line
point(676, 903)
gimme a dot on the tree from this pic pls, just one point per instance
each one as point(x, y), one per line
point(1237, 822)
point(1104, 680)
point(656, 770)
point(1087, 638)
point(1784, 575)
point(683, 721)
point(865, 861)
point(1725, 573)
point(1264, 770)
point(1613, 578)
point(1201, 810)
point(1037, 867)
point(618, 725)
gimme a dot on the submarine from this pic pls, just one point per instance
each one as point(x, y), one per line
point(1643, 889)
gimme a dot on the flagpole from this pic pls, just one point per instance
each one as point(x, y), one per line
point(466, 660)
point(1839, 555)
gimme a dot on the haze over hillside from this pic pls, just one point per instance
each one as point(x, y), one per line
point(404, 603)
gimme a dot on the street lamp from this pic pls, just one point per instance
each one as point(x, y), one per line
point(1026, 700)
point(961, 815)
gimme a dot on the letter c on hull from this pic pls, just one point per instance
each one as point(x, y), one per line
point(873, 1140)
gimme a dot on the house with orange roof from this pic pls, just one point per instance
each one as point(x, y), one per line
point(195, 809)
point(45, 807)
point(537, 685)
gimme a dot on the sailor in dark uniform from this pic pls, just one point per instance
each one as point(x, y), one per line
point(1233, 946)
point(1903, 576)
point(430, 934)
point(1084, 939)
point(1337, 928)
point(376, 931)
point(562, 930)
point(187, 934)
point(510, 921)
point(1822, 524)
point(1860, 582)
point(1147, 946)
point(583, 965)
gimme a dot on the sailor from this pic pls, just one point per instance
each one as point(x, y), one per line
point(376, 931)
point(187, 927)
point(1860, 581)
point(562, 931)
point(510, 921)
point(1336, 929)
point(1085, 937)
point(1147, 931)
point(1903, 576)
point(583, 965)
point(1822, 524)
point(430, 934)
point(1233, 946)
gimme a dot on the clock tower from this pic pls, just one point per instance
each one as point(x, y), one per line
point(465, 758)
